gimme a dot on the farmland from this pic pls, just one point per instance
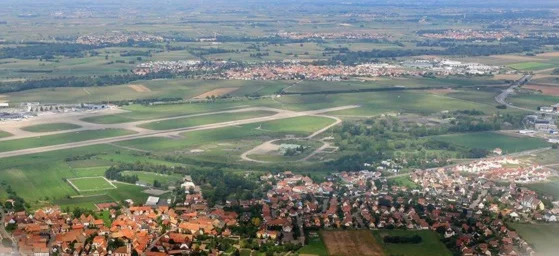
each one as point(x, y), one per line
point(530, 66)
point(171, 88)
point(430, 245)
point(548, 188)
point(51, 127)
point(545, 89)
point(533, 101)
point(33, 142)
point(355, 242)
point(492, 140)
point(26, 174)
point(543, 237)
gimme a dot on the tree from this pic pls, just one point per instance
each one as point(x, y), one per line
point(156, 184)
point(255, 221)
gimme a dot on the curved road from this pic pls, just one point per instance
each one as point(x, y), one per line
point(501, 98)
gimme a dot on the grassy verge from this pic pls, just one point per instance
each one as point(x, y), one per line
point(50, 127)
point(492, 140)
point(202, 120)
point(62, 138)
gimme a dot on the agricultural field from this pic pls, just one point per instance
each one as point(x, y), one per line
point(430, 246)
point(381, 82)
point(492, 140)
point(545, 89)
point(531, 65)
point(90, 184)
point(26, 175)
point(52, 127)
point(61, 138)
point(203, 120)
point(533, 101)
point(543, 237)
point(550, 187)
point(168, 88)
point(351, 243)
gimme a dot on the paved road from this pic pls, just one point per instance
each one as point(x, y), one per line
point(266, 144)
point(501, 98)
point(143, 133)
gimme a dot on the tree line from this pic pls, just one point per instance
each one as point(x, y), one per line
point(80, 81)
point(415, 239)
point(355, 57)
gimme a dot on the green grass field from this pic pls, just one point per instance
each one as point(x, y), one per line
point(203, 120)
point(149, 177)
point(4, 134)
point(430, 246)
point(50, 127)
point(329, 86)
point(142, 112)
point(90, 171)
point(549, 188)
point(531, 65)
point(91, 183)
point(492, 140)
point(314, 247)
point(543, 237)
point(33, 142)
point(403, 181)
point(162, 88)
point(84, 202)
point(533, 101)
point(299, 126)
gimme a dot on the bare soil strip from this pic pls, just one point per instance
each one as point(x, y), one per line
point(352, 243)
point(547, 89)
point(139, 88)
point(217, 92)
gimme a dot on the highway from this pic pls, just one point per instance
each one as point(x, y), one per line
point(502, 98)
point(144, 133)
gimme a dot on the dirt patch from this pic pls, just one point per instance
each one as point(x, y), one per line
point(139, 88)
point(217, 92)
point(3, 98)
point(549, 54)
point(547, 89)
point(351, 243)
point(265, 148)
point(507, 77)
point(516, 58)
point(542, 76)
point(440, 91)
